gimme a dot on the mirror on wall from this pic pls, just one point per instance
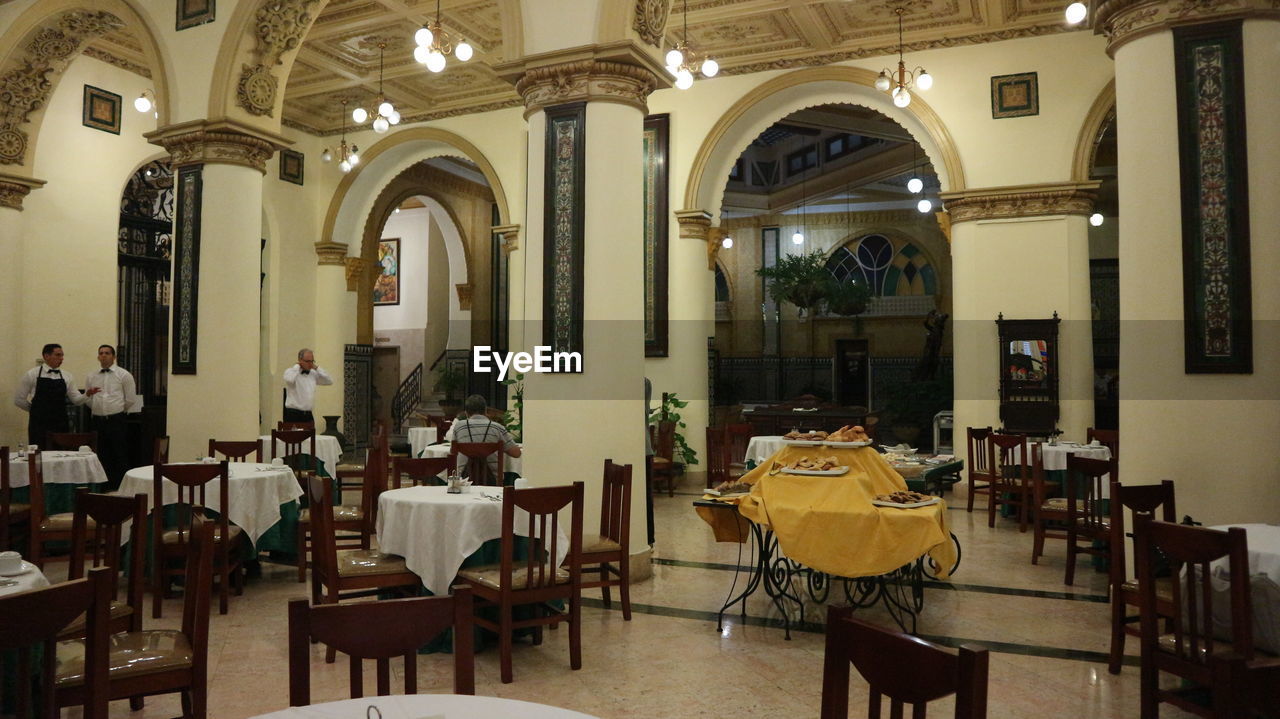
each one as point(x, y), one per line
point(1029, 374)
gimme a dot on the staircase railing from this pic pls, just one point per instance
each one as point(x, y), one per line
point(408, 397)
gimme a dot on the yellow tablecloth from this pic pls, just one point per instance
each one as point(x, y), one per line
point(829, 523)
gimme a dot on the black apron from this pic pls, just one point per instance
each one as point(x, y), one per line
point(48, 410)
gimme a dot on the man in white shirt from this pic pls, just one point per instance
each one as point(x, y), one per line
point(43, 393)
point(112, 393)
point(300, 383)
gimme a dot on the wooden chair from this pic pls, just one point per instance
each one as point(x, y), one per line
point(421, 471)
point(717, 457)
point(296, 447)
point(1048, 514)
point(1247, 688)
point(737, 437)
point(72, 441)
point(1010, 463)
point(236, 451)
point(170, 545)
point(358, 518)
point(108, 514)
point(1143, 501)
point(979, 458)
point(1089, 482)
point(906, 669)
point(536, 579)
point(1187, 649)
point(176, 659)
point(35, 618)
point(12, 514)
point(1108, 437)
point(477, 461)
point(380, 631)
point(44, 527)
point(664, 448)
point(613, 545)
point(349, 573)
point(160, 450)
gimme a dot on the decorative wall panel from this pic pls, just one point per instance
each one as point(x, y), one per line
point(564, 227)
point(186, 273)
point(656, 225)
point(101, 110)
point(357, 394)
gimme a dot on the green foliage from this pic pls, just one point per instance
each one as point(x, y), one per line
point(801, 280)
point(668, 411)
point(513, 418)
point(449, 380)
point(848, 298)
point(915, 403)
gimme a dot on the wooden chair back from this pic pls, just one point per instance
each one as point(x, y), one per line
point(477, 460)
point(35, 488)
point(717, 457)
point(297, 448)
point(381, 630)
point(197, 591)
point(109, 513)
point(541, 525)
point(421, 471)
point(615, 504)
point(1009, 459)
point(1143, 500)
point(192, 482)
point(160, 450)
point(236, 451)
point(1108, 437)
point(1188, 647)
point(36, 618)
point(324, 550)
point(375, 480)
point(906, 669)
point(737, 437)
point(1086, 487)
point(664, 440)
point(70, 440)
point(979, 458)
point(1038, 480)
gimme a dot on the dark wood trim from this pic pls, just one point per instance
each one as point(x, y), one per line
point(658, 216)
point(186, 269)
point(575, 115)
point(1237, 357)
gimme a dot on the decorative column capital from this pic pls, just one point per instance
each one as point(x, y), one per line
point(464, 295)
point(715, 236)
point(331, 253)
point(13, 188)
point(218, 142)
point(1124, 20)
point(694, 224)
point(616, 72)
point(997, 203)
point(356, 267)
point(510, 237)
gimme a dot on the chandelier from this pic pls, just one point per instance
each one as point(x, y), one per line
point(684, 62)
point(434, 44)
point(903, 79)
point(348, 156)
point(387, 115)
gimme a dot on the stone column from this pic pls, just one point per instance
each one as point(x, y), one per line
point(1022, 251)
point(335, 314)
point(220, 400)
point(692, 310)
point(1169, 418)
point(606, 400)
point(12, 191)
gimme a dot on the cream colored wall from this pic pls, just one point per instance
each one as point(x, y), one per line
point(1175, 424)
point(411, 227)
point(550, 25)
point(441, 300)
point(67, 270)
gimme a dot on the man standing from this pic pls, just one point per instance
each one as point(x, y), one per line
point(43, 392)
point(479, 428)
point(300, 383)
point(113, 393)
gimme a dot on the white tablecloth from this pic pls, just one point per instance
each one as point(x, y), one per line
point(1264, 571)
point(419, 438)
point(428, 706)
point(435, 531)
point(509, 463)
point(30, 579)
point(59, 468)
point(762, 447)
point(327, 450)
point(256, 493)
point(1055, 455)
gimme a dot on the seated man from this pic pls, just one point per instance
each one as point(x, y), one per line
point(479, 428)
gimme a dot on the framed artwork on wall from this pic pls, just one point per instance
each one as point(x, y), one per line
point(194, 12)
point(1015, 95)
point(101, 110)
point(291, 164)
point(386, 291)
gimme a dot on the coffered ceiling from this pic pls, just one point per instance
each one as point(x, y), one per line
point(339, 58)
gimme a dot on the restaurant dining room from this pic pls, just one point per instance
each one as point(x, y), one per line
point(422, 392)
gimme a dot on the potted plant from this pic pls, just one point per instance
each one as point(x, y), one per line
point(513, 419)
point(803, 280)
point(848, 299)
point(450, 381)
point(682, 454)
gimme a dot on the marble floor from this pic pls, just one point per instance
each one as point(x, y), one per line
point(1048, 641)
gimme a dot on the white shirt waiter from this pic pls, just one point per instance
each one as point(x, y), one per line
point(300, 383)
point(27, 386)
point(117, 392)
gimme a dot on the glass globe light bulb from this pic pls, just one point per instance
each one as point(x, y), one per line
point(435, 62)
point(902, 98)
point(142, 104)
point(1096, 219)
point(924, 80)
point(1076, 12)
point(353, 158)
point(797, 238)
point(684, 79)
point(727, 243)
point(463, 51)
point(674, 58)
point(381, 125)
point(345, 166)
point(882, 82)
point(385, 109)
point(394, 117)
point(423, 37)
point(924, 205)
point(710, 67)
point(915, 184)
point(359, 115)
point(420, 53)
point(326, 156)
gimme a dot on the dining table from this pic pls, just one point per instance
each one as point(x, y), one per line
point(63, 472)
point(1264, 586)
point(436, 531)
point(420, 437)
point(509, 463)
point(328, 450)
point(427, 706)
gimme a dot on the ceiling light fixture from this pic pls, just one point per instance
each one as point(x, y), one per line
point(434, 45)
point(684, 62)
point(902, 80)
point(146, 102)
point(915, 184)
point(348, 157)
point(797, 238)
point(387, 114)
point(1096, 219)
point(1076, 13)
point(727, 242)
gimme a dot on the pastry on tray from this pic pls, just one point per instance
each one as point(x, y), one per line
point(904, 497)
point(849, 433)
point(815, 436)
point(813, 464)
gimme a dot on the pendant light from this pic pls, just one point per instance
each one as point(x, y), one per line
point(387, 114)
point(348, 156)
point(434, 45)
point(899, 83)
point(683, 61)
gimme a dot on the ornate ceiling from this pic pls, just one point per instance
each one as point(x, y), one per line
point(339, 58)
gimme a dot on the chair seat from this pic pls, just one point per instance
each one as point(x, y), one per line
point(366, 562)
point(350, 468)
point(661, 461)
point(979, 483)
point(174, 536)
point(1164, 588)
point(490, 576)
point(62, 522)
point(341, 513)
point(600, 543)
point(18, 511)
point(1056, 504)
point(1088, 523)
point(119, 610)
point(131, 654)
point(1168, 643)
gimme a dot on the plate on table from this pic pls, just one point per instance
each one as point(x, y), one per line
point(908, 505)
point(26, 567)
point(802, 442)
point(899, 449)
point(866, 443)
point(833, 472)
